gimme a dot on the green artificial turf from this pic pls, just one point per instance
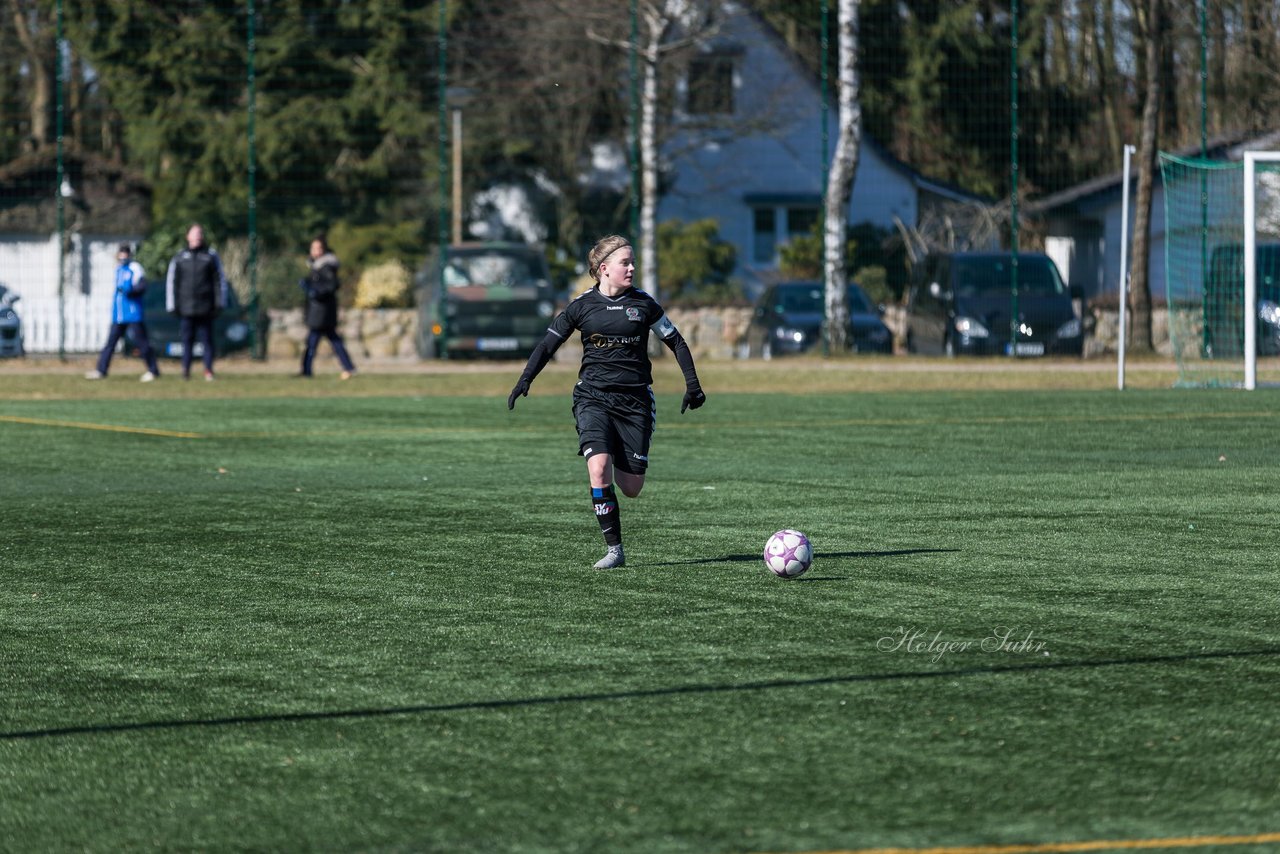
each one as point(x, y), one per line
point(336, 620)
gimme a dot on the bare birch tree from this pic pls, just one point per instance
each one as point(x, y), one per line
point(839, 188)
point(667, 26)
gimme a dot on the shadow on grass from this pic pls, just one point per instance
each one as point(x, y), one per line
point(751, 558)
point(638, 694)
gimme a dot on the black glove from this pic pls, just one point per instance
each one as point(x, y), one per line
point(693, 398)
point(522, 388)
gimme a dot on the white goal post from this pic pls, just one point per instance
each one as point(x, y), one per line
point(1222, 265)
point(1251, 161)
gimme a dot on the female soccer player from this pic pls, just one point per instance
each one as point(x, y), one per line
point(613, 403)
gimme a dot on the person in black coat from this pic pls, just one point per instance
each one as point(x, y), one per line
point(196, 291)
point(321, 288)
point(613, 401)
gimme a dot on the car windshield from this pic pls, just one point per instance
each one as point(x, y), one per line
point(1227, 265)
point(991, 277)
point(1269, 262)
point(491, 268)
point(808, 299)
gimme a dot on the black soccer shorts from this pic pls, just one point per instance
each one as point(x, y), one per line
point(618, 423)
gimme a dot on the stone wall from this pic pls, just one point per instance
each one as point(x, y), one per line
point(370, 334)
point(379, 334)
point(1102, 332)
point(712, 333)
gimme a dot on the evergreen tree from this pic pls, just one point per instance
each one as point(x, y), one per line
point(345, 107)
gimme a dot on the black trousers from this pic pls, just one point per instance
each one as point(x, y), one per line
point(118, 331)
point(190, 327)
point(335, 340)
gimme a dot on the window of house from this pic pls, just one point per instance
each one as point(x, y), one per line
point(778, 219)
point(764, 243)
point(710, 85)
point(801, 221)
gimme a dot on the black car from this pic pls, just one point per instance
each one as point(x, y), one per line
point(1223, 303)
point(788, 319)
point(10, 324)
point(962, 303)
point(230, 329)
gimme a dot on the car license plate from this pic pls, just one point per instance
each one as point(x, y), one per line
point(1028, 348)
point(497, 344)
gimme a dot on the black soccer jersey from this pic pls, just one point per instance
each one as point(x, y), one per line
point(615, 336)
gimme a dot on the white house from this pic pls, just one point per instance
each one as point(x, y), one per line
point(748, 151)
point(104, 205)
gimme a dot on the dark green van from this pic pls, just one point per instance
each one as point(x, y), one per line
point(491, 300)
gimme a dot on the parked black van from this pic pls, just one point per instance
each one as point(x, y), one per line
point(962, 303)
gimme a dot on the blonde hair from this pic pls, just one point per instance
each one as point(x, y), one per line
point(604, 247)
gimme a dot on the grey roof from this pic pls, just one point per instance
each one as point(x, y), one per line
point(1225, 147)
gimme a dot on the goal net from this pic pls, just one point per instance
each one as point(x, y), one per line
point(1222, 265)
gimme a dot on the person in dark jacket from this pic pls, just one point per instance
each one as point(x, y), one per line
point(196, 291)
point(127, 316)
point(321, 288)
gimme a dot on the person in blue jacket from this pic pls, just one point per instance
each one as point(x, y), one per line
point(127, 316)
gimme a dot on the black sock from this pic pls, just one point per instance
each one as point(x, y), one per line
point(605, 504)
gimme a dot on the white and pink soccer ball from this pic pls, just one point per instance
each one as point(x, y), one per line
point(788, 554)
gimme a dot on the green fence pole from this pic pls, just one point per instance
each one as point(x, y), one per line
point(635, 122)
point(1204, 177)
point(1013, 194)
point(442, 232)
point(826, 142)
point(60, 177)
point(256, 339)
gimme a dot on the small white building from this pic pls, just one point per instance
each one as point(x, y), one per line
point(103, 205)
point(1082, 224)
